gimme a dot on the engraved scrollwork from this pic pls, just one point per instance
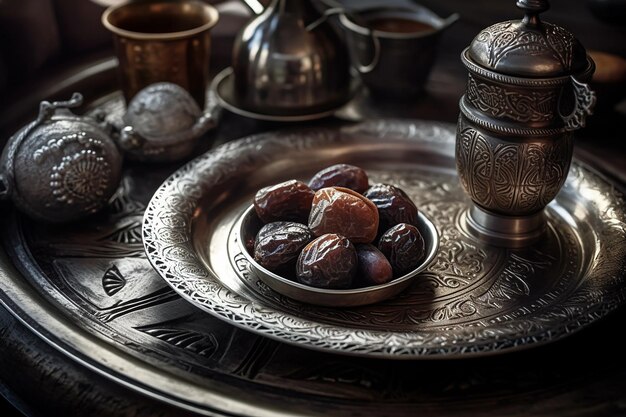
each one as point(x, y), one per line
point(513, 282)
point(508, 38)
point(457, 264)
point(530, 106)
point(514, 177)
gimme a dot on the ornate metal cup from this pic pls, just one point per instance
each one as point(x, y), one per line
point(162, 41)
point(524, 99)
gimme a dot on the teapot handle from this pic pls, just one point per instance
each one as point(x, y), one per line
point(363, 69)
point(584, 102)
point(47, 109)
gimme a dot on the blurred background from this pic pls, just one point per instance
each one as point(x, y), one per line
point(42, 38)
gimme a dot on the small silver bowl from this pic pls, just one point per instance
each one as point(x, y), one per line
point(249, 224)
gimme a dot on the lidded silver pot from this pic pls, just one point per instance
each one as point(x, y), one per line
point(526, 95)
point(61, 167)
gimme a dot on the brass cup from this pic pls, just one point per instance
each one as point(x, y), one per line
point(162, 41)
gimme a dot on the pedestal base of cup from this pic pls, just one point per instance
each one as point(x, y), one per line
point(505, 231)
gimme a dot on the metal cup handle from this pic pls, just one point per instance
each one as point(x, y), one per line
point(364, 69)
point(584, 102)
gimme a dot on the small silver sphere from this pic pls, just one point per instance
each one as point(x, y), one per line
point(162, 123)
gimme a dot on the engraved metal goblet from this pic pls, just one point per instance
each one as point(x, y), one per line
point(525, 96)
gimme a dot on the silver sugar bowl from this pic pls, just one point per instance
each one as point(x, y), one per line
point(163, 123)
point(526, 95)
point(60, 167)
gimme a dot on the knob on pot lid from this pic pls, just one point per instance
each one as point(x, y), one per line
point(529, 47)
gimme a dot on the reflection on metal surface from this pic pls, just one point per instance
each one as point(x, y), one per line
point(474, 298)
point(223, 86)
point(289, 60)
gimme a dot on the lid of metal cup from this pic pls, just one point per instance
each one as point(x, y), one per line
point(529, 47)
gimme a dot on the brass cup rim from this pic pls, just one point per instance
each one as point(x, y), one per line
point(209, 12)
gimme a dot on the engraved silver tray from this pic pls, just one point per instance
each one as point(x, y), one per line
point(473, 299)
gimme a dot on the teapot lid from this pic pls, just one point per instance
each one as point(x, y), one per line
point(529, 47)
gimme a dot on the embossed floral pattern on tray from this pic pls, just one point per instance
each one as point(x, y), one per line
point(473, 299)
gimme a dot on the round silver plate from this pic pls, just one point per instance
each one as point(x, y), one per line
point(473, 299)
point(224, 90)
point(247, 227)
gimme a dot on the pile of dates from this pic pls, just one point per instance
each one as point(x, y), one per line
point(337, 232)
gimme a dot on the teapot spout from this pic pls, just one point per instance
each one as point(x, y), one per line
point(450, 20)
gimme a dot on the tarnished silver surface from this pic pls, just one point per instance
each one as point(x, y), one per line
point(246, 229)
point(60, 167)
point(525, 95)
point(529, 47)
point(474, 299)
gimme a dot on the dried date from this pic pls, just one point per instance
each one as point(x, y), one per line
point(278, 245)
point(330, 261)
point(394, 206)
point(341, 175)
point(404, 246)
point(287, 201)
point(373, 268)
point(345, 212)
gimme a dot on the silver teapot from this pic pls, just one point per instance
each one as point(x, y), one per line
point(526, 95)
point(290, 59)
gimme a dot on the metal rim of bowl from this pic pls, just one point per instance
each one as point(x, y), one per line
point(263, 273)
point(210, 11)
